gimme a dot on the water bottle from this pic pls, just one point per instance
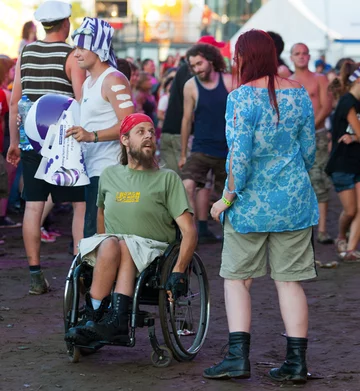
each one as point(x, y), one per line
point(24, 106)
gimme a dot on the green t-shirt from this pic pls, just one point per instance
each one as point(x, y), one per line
point(142, 203)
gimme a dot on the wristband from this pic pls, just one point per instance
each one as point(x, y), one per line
point(96, 137)
point(226, 202)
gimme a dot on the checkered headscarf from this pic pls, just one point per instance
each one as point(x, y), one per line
point(96, 35)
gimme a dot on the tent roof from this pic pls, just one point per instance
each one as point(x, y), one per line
point(308, 21)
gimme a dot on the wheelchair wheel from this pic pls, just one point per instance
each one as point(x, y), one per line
point(74, 353)
point(163, 360)
point(69, 295)
point(185, 322)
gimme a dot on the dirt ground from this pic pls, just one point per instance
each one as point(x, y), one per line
point(33, 353)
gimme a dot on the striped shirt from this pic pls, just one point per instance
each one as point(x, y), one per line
point(43, 69)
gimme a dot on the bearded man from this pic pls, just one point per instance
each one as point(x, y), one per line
point(205, 97)
point(137, 206)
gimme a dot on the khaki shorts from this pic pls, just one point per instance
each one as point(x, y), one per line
point(290, 254)
point(319, 179)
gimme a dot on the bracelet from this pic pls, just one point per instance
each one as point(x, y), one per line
point(96, 137)
point(226, 202)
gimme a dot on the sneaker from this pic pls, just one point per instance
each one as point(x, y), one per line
point(54, 232)
point(6, 222)
point(209, 238)
point(350, 256)
point(324, 238)
point(38, 284)
point(46, 237)
point(341, 245)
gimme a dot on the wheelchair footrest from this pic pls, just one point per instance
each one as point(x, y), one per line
point(91, 346)
point(121, 340)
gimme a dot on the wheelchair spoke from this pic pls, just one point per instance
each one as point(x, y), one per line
point(185, 321)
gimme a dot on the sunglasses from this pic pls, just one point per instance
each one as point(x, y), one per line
point(83, 31)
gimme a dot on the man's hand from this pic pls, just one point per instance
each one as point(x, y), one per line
point(80, 134)
point(13, 155)
point(176, 285)
point(217, 209)
point(182, 162)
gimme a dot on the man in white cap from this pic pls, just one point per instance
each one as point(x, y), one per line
point(106, 100)
point(44, 67)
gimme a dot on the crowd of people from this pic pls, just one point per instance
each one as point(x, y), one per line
point(268, 143)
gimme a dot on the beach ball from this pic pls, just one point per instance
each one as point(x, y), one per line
point(46, 111)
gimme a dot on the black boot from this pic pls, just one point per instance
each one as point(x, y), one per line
point(114, 326)
point(76, 334)
point(294, 367)
point(236, 364)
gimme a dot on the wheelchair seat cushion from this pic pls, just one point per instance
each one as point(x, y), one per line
point(143, 251)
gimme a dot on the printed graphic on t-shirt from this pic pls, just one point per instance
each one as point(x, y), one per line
point(128, 196)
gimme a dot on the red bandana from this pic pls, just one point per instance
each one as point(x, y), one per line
point(132, 120)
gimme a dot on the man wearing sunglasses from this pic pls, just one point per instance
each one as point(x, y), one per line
point(106, 100)
point(44, 67)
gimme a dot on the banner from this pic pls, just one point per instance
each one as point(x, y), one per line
point(63, 160)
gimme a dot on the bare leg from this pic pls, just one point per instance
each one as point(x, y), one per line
point(31, 231)
point(238, 304)
point(323, 209)
point(47, 209)
point(3, 206)
point(126, 273)
point(106, 267)
point(348, 202)
point(293, 307)
point(355, 224)
point(202, 204)
point(78, 223)
point(11, 173)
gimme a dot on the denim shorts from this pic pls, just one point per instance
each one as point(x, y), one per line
point(344, 180)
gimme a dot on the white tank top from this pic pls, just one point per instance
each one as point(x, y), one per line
point(97, 114)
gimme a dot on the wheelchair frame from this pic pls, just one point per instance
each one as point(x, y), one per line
point(152, 279)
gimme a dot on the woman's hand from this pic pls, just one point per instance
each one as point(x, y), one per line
point(348, 139)
point(217, 209)
point(80, 134)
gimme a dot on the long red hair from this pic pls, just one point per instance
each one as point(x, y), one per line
point(258, 59)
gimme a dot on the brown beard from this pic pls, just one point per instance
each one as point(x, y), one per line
point(142, 159)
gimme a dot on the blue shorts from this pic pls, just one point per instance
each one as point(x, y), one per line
point(344, 180)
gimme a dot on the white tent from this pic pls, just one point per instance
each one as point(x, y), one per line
point(330, 26)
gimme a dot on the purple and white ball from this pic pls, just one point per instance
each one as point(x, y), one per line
point(46, 111)
point(64, 177)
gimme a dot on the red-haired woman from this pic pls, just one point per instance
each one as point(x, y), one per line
point(268, 206)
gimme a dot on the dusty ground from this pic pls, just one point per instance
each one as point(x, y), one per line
point(33, 354)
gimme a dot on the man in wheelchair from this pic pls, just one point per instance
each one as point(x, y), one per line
point(137, 205)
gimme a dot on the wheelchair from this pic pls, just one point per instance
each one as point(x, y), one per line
point(184, 322)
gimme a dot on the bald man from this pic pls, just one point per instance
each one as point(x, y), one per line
point(317, 88)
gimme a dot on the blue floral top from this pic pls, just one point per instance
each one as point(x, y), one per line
point(271, 160)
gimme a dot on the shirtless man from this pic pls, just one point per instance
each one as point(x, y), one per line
point(316, 86)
